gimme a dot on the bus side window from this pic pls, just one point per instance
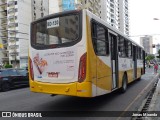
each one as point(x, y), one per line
point(126, 48)
point(121, 47)
point(129, 49)
point(138, 52)
point(100, 43)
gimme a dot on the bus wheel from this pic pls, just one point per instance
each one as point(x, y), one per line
point(5, 86)
point(124, 84)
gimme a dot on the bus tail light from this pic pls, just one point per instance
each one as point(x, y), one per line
point(82, 68)
point(31, 69)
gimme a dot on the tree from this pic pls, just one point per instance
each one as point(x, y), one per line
point(8, 66)
point(158, 54)
point(149, 57)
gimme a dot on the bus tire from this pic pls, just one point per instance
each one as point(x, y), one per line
point(124, 84)
point(5, 86)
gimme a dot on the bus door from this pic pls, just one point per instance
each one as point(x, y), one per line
point(114, 59)
point(134, 62)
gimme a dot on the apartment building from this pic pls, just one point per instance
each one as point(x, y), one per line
point(40, 8)
point(123, 16)
point(19, 18)
point(147, 42)
point(54, 6)
point(4, 55)
point(15, 19)
point(114, 12)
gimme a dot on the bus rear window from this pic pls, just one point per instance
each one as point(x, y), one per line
point(56, 31)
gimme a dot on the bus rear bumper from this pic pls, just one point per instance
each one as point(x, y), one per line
point(71, 89)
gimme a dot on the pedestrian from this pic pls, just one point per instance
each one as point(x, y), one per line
point(155, 67)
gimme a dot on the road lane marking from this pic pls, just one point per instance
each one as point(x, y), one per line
point(138, 96)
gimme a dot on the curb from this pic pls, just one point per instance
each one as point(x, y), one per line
point(155, 102)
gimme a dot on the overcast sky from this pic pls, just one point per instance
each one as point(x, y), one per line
point(142, 13)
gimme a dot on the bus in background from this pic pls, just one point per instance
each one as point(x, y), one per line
point(76, 53)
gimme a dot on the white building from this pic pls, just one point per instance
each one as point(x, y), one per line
point(114, 12)
point(123, 16)
point(19, 18)
point(4, 56)
point(15, 19)
point(147, 42)
point(54, 6)
point(40, 8)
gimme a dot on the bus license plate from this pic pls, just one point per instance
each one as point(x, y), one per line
point(53, 23)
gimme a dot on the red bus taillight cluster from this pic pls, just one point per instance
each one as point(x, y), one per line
point(82, 68)
point(31, 69)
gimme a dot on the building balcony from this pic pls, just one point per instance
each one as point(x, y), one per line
point(3, 21)
point(5, 44)
point(4, 51)
point(97, 8)
point(3, 26)
point(4, 33)
point(12, 10)
point(14, 50)
point(4, 39)
point(5, 59)
point(13, 32)
point(112, 1)
point(13, 46)
point(90, 9)
point(11, 18)
point(4, 12)
point(4, 1)
point(14, 53)
point(11, 39)
point(3, 18)
point(3, 4)
point(12, 58)
point(12, 3)
point(10, 25)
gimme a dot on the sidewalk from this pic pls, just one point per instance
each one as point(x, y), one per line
point(155, 102)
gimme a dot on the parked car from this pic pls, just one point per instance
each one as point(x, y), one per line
point(11, 78)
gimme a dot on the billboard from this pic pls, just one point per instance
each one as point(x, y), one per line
point(68, 5)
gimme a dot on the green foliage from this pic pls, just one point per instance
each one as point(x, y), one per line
point(149, 57)
point(8, 66)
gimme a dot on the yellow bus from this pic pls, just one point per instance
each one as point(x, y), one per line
point(78, 54)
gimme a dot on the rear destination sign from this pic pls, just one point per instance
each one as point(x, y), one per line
point(53, 23)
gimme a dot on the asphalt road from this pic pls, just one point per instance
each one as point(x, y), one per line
point(24, 100)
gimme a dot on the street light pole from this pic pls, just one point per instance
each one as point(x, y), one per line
point(158, 45)
point(155, 18)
